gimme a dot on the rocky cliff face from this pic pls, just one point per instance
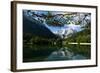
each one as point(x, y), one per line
point(34, 27)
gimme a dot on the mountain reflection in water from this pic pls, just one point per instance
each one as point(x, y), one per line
point(44, 53)
point(64, 54)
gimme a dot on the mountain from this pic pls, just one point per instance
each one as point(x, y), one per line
point(69, 32)
point(36, 28)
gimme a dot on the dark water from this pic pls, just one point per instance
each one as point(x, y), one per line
point(54, 53)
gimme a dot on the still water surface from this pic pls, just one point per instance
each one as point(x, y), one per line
point(54, 53)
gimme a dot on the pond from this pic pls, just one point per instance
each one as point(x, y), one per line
point(56, 53)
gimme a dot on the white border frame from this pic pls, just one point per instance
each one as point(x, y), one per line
point(37, 65)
